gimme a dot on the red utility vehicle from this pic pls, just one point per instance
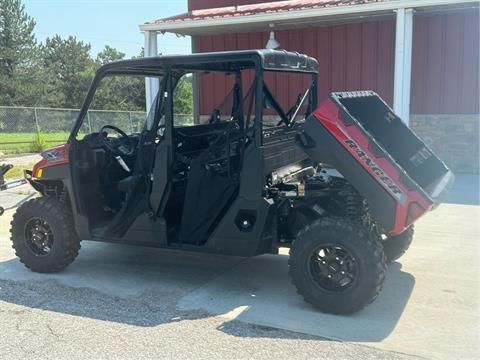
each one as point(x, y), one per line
point(340, 185)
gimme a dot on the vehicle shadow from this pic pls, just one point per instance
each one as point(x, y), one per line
point(149, 287)
point(118, 283)
point(286, 310)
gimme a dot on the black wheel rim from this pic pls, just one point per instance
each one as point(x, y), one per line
point(38, 236)
point(333, 268)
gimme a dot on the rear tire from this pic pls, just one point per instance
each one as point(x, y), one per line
point(337, 265)
point(396, 246)
point(43, 235)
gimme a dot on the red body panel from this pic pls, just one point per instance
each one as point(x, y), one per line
point(62, 154)
point(382, 169)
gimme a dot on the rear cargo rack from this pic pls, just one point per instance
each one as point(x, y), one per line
point(358, 134)
point(397, 142)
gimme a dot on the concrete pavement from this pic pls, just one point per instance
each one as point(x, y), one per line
point(429, 306)
point(121, 302)
point(466, 190)
point(129, 302)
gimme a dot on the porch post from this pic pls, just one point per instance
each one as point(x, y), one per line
point(403, 64)
point(195, 88)
point(151, 84)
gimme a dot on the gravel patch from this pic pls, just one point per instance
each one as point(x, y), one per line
point(22, 159)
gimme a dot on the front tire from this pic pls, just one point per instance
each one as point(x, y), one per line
point(337, 265)
point(43, 235)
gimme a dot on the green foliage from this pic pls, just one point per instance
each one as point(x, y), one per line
point(120, 93)
point(22, 142)
point(17, 51)
point(68, 64)
point(109, 54)
point(16, 37)
point(17, 171)
point(58, 72)
point(183, 96)
point(39, 143)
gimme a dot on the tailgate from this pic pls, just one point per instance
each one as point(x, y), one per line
point(358, 134)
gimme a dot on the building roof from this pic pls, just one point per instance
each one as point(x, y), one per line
point(261, 8)
point(288, 13)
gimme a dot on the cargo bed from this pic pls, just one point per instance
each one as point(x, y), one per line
point(358, 134)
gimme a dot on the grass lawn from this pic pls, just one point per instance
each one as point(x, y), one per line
point(9, 141)
point(17, 171)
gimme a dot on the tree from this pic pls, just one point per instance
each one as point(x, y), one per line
point(69, 66)
point(16, 37)
point(109, 54)
point(18, 53)
point(118, 92)
point(58, 72)
point(183, 96)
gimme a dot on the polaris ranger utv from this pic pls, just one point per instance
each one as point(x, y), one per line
point(340, 185)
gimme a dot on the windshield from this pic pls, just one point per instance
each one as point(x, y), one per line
point(120, 101)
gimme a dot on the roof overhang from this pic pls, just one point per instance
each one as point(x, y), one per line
point(288, 19)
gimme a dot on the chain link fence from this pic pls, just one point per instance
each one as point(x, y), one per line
point(31, 129)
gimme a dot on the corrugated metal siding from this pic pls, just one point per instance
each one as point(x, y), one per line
point(445, 69)
point(351, 57)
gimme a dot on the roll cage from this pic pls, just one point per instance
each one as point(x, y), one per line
point(148, 189)
point(169, 69)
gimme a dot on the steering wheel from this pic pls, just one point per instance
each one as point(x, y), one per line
point(122, 146)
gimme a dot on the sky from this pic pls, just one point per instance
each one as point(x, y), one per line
point(107, 22)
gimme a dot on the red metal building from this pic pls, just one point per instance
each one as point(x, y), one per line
point(421, 56)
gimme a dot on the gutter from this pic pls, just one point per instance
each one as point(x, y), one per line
point(297, 15)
